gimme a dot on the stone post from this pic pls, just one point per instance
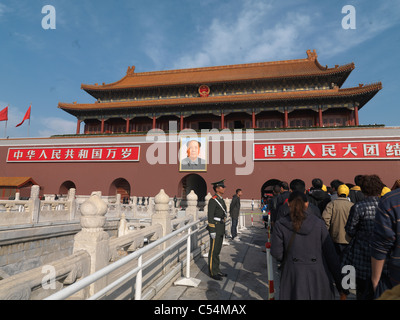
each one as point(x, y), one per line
point(191, 209)
point(150, 207)
point(228, 204)
point(161, 214)
point(118, 207)
point(71, 194)
point(35, 203)
point(123, 226)
point(93, 238)
point(207, 199)
point(72, 202)
point(134, 207)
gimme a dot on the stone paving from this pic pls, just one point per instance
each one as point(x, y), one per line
point(246, 265)
point(244, 262)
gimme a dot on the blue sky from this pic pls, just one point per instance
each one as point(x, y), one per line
point(96, 41)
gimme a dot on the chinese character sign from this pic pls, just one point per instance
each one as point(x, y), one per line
point(327, 150)
point(74, 154)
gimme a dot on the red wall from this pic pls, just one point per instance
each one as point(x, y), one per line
point(147, 180)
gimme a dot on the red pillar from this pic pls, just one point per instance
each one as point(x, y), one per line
point(154, 122)
point(102, 126)
point(356, 115)
point(127, 125)
point(222, 121)
point(181, 126)
point(253, 119)
point(286, 122)
point(320, 121)
point(78, 127)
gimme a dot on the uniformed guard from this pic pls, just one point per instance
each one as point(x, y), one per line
point(216, 227)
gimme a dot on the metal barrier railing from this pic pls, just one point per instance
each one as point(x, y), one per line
point(70, 290)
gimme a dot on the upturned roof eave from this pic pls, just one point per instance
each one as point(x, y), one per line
point(92, 89)
point(248, 98)
point(274, 70)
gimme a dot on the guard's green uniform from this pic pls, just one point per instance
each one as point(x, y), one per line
point(216, 224)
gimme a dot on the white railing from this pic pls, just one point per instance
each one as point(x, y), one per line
point(70, 290)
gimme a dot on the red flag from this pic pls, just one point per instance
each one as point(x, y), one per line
point(4, 114)
point(26, 117)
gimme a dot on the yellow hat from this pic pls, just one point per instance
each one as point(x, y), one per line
point(324, 188)
point(343, 189)
point(384, 191)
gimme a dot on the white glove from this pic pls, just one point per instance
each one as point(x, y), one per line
point(213, 235)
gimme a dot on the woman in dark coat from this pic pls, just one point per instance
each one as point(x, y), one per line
point(312, 264)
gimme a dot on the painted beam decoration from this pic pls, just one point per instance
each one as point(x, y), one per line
point(350, 150)
point(74, 154)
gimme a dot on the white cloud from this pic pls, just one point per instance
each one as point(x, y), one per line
point(56, 126)
point(260, 31)
point(334, 39)
point(255, 34)
point(4, 9)
point(153, 46)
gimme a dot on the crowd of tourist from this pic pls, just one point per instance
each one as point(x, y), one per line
point(319, 232)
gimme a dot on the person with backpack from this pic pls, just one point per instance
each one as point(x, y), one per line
point(317, 196)
point(356, 193)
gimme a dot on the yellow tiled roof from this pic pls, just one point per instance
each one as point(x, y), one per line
point(15, 181)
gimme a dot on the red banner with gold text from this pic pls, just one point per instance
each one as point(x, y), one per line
point(355, 150)
point(74, 154)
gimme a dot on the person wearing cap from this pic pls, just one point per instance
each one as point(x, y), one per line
point(356, 193)
point(385, 190)
point(335, 216)
point(216, 226)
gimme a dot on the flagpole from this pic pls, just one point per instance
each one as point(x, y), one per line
point(4, 117)
point(29, 124)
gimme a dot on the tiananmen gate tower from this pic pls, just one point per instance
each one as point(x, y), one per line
point(279, 94)
point(252, 124)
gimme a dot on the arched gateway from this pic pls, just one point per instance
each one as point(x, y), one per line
point(192, 182)
point(65, 186)
point(267, 187)
point(122, 187)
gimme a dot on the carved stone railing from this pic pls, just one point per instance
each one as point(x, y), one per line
point(16, 212)
point(129, 240)
point(132, 235)
point(93, 248)
point(43, 281)
point(36, 211)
